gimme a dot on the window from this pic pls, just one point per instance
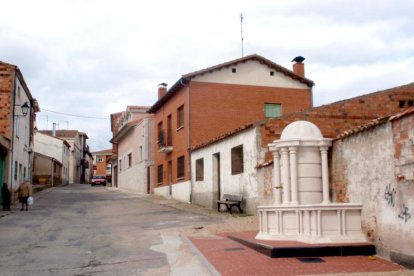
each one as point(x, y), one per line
point(180, 117)
point(99, 159)
point(17, 126)
point(169, 130)
point(272, 73)
point(161, 135)
point(180, 167)
point(120, 165)
point(15, 170)
point(233, 70)
point(200, 169)
point(129, 160)
point(140, 153)
point(159, 174)
point(272, 110)
point(237, 160)
point(24, 172)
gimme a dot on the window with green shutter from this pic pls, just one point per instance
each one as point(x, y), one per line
point(272, 110)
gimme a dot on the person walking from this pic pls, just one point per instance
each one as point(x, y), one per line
point(24, 191)
point(6, 197)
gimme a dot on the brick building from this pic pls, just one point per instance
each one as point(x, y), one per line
point(17, 117)
point(102, 164)
point(209, 102)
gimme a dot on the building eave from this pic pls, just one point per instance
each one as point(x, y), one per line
point(185, 79)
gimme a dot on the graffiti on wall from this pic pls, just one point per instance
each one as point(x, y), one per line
point(404, 214)
point(389, 195)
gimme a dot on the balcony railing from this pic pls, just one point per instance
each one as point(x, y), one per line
point(164, 144)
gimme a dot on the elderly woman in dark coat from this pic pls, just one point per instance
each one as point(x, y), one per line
point(6, 197)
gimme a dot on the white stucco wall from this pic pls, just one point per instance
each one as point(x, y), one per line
point(135, 142)
point(245, 184)
point(21, 163)
point(369, 172)
point(54, 148)
point(251, 73)
point(75, 155)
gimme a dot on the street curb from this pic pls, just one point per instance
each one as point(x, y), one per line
point(203, 259)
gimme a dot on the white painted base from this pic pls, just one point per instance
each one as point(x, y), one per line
point(180, 191)
point(316, 223)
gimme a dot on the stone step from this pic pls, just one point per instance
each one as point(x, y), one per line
point(306, 250)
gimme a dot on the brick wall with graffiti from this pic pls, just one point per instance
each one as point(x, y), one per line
point(375, 166)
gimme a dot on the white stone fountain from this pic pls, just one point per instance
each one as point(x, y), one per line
point(302, 210)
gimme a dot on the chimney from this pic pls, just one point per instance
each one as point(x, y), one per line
point(162, 89)
point(299, 66)
point(54, 130)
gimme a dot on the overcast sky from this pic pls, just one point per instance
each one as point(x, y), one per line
point(92, 58)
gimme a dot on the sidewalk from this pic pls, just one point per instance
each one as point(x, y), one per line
point(224, 256)
point(232, 258)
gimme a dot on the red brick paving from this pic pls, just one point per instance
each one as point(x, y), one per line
point(232, 258)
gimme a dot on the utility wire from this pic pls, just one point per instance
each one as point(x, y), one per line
point(79, 116)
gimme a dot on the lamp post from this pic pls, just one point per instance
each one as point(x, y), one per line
point(25, 109)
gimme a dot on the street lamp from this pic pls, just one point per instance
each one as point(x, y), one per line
point(25, 109)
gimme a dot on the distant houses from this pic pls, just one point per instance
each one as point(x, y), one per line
point(80, 166)
point(102, 164)
point(51, 157)
point(51, 160)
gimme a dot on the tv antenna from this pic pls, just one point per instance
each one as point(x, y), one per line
point(241, 32)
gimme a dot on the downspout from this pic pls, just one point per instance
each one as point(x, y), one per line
point(53, 163)
point(189, 140)
point(12, 133)
point(311, 94)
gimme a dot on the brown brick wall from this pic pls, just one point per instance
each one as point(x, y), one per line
point(219, 108)
point(6, 100)
point(337, 117)
point(403, 137)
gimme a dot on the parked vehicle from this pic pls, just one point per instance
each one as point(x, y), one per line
point(98, 180)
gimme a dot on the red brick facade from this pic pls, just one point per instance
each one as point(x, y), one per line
point(177, 137)
point(219, 108)
point(212, 109)
point(6, 99)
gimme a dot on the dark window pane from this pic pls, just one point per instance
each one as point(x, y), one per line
point(237, 160)
point(200, 169)
point(180, 167)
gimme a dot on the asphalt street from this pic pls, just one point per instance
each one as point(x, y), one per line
point(83, 230)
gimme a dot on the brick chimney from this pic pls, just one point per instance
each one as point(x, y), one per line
point(299, 66)
point(162, 89)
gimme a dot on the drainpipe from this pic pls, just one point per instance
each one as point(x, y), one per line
point(53, 162)
point(189, 139)
point(12, 133)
